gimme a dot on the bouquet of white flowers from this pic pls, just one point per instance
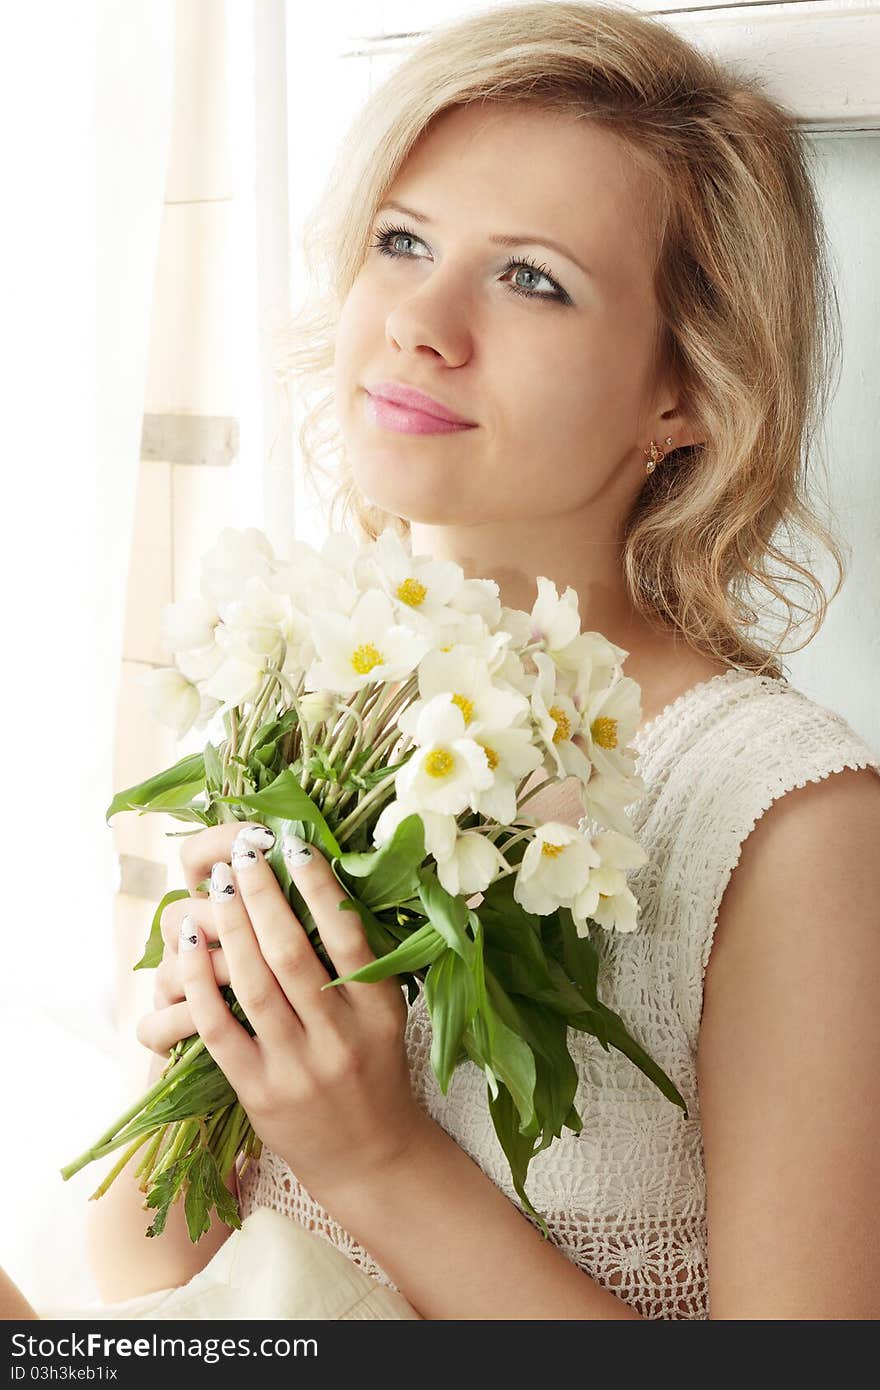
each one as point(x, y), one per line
point(391, 710)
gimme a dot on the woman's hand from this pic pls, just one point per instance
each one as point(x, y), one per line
point(325, 1081)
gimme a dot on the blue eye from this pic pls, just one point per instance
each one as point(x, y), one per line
point(386, 235)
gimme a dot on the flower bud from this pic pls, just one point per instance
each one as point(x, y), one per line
point(317, 706)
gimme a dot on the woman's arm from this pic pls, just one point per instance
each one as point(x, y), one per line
point(456, 1247)
point(14, 1307)
point(789, 1059)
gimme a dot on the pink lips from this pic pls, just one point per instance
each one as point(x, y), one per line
point(408, 411)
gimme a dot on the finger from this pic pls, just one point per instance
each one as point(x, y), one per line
point(160, 1030)
point(283, 942)
point(255, 986)
point(198, 907)
point(167, 984)
point(341, 930)
point(233, 1049)
point(198, 852)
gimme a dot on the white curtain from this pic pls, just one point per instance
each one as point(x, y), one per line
point(86, 92)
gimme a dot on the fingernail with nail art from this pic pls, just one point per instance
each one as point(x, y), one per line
point(296, 852)
point(189, 934)
point(222, 885)
point(257, 836)
point(244, 855)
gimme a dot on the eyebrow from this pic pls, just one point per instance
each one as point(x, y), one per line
point(511, 239)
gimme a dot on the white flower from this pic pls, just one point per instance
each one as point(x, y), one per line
point(474, 863)
point(446, 769)
point(319, 580)
point(188, 624)
point(606, 795)
point(364, 648)
point(260, 617)
point(606, 898)
point(554, 620)
point(518, 624)
point(512, 756)
point(557, 721)
point(555, 867)
point(611, 718)
point(198, 665)
point(592, 657)
point(440, 830)
point(466, 676)
point(419, 587)
point(171, 698)
point(479, 597)
point(207, 710)
point(236, 556)
point(240, 674)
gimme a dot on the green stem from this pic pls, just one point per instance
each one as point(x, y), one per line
point(551, 781)
point(111, 1138)
point(118, 1167)
point(145, 1167)
point(383, 791)
point(186, 1131)
point(256, 716)
point(347, 713)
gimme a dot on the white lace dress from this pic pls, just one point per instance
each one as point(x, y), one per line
point(626, 1199)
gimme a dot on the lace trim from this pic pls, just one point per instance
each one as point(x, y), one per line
point(721, 678)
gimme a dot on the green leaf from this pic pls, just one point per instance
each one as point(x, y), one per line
point(518, 1148)
point(379, 939)
point(448, 914)
point(213, 769)
point(196, 1204)
point(451, 997)
point(504, 1055)
point(190, 812)
point(206, 1192)
point(286, 800)
point(155, 945)
point(556, 1077)
point(390, 874)
point(176, 785)
point(163, 1192)
point(518, 956)
point(420, 949)
point(582, 961)
point(577, 954)
point(610, 1025)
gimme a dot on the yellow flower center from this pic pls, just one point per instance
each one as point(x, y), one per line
point(563, 726)
point(365, 657)
point(412, 592)
point(552, 851)
point(439, 763)
point(465, 705)
point(604, 731)
point(491, 755)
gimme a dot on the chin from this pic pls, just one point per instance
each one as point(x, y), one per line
point(409, 493)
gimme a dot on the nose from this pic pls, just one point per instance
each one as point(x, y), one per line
point(432, 317)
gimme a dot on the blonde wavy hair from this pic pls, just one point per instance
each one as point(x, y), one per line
point(750, 320)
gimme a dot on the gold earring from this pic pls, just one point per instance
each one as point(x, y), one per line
point(657, 455)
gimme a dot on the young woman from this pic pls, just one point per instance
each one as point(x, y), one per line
point(599, 255)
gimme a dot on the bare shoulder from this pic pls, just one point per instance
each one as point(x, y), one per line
point(788, 1056)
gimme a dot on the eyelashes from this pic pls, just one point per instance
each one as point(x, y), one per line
point(385, 235)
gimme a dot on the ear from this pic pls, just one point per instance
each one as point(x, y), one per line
point(673, 418)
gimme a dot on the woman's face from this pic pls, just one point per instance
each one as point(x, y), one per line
point(556, 379)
